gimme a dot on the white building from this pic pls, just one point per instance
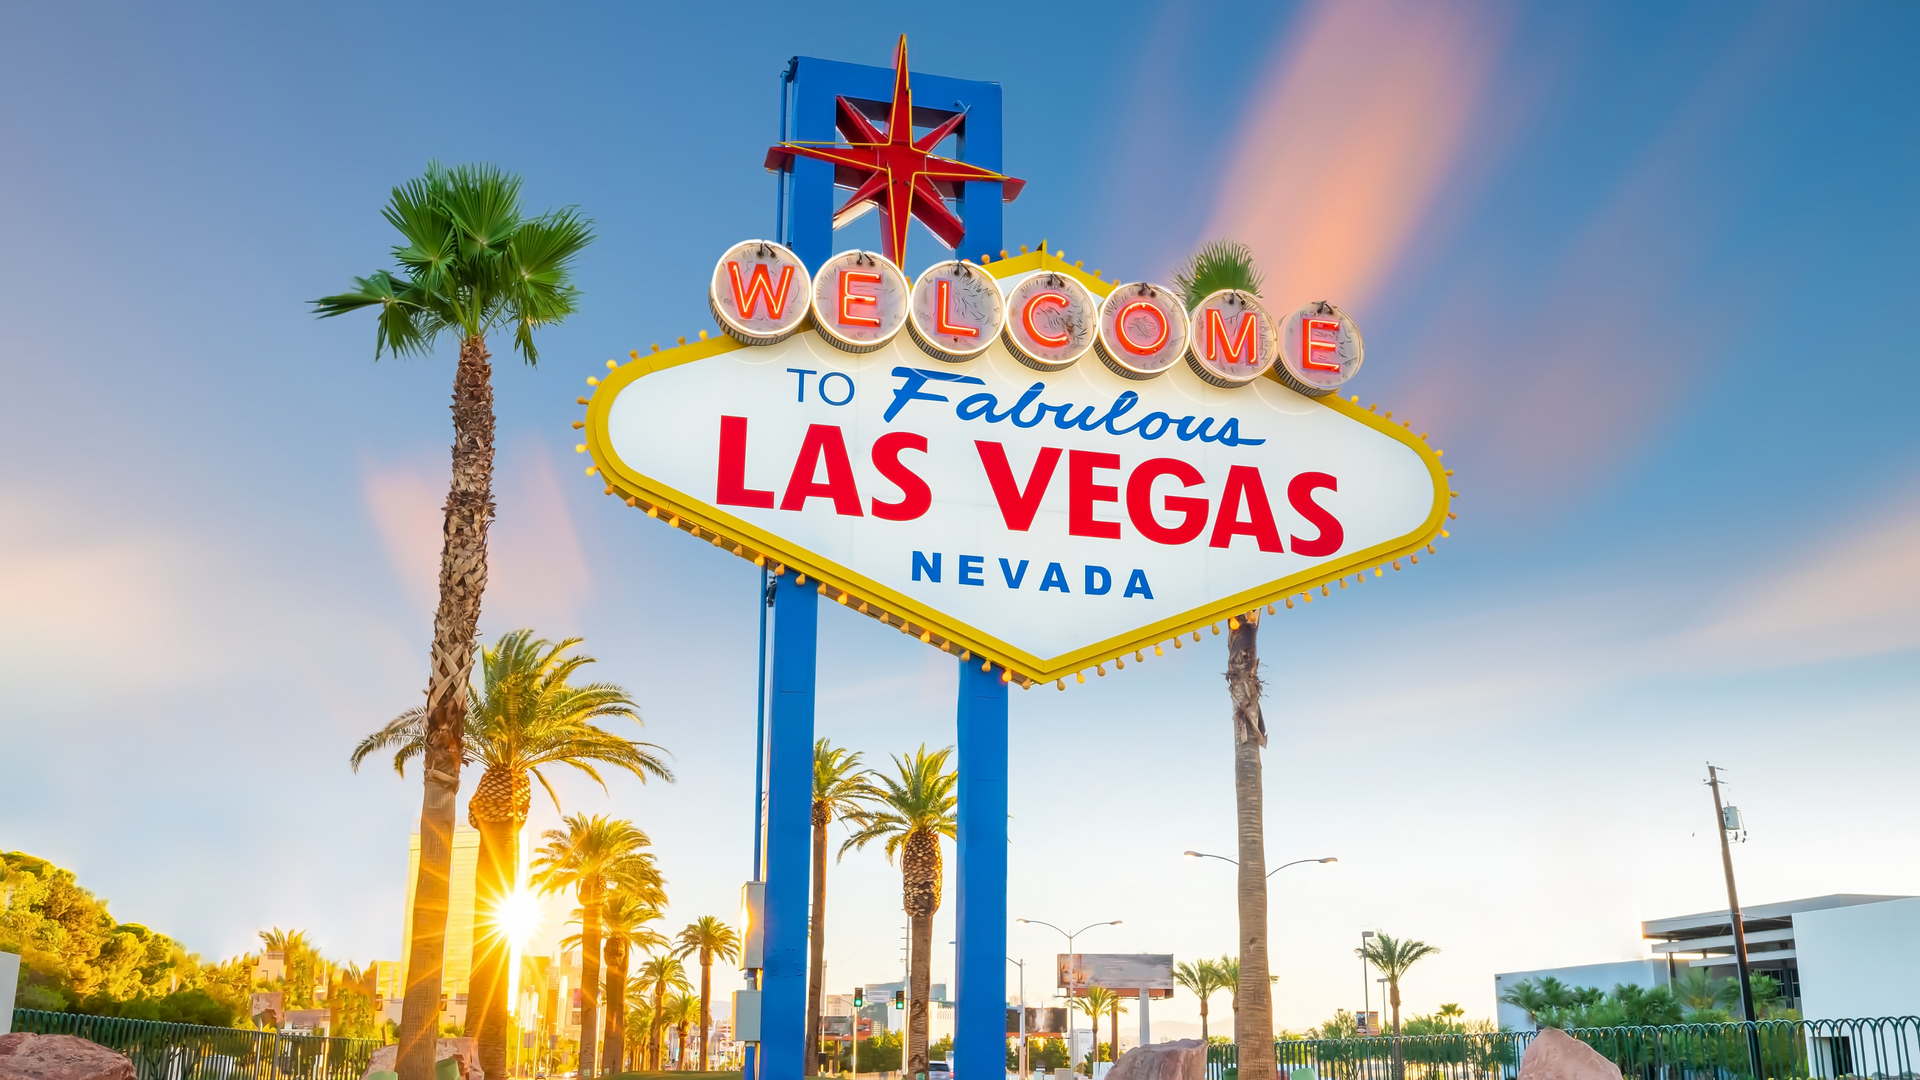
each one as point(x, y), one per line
point(1840, 956)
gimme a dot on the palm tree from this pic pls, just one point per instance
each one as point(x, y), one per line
point(624, 915)
point(709, 939)
point(469, 263)
point(1529, 997)
point(1204, 979)
point(911, 811)
point(660, 974)
point(594, 854)
point(1094, 1003)
point(1227, 264)
point(1391, 957)
point(840, 788)
point(683, 1011)
point(297, 956)
point(526, 715)
point(638, 1023)
point(1696, 990)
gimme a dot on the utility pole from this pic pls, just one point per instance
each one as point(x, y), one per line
point(1733, 898)
point(1739, 927)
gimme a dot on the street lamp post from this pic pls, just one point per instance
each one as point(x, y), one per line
point(1022, 965)
point(1366, 1001)
point(1094, 1025)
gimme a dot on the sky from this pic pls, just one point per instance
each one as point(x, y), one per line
point(1644, 271)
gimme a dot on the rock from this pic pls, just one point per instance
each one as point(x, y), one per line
point(465, 1052)
point(1185, 1059)
point(27, 1056)
point(1555, 1055)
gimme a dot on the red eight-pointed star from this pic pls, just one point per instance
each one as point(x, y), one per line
point(895, 171)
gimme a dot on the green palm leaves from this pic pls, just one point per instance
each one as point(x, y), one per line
point(1205, 978)
point(469, 261)
point(527, 714)
point(918, 800)
point(1223, 264)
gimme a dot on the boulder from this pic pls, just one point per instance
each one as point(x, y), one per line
point(1555, 1055)
point(1185, 1059)
point(464, 1052)
point(27, 1056)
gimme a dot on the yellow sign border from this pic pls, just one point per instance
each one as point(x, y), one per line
point(911, 616)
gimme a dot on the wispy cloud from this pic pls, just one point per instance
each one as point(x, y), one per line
point(1346, 146)
point(1852, 592)
point(536, 575)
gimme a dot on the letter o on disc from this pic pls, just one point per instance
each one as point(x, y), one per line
point(1143, 330)
point(957, 311)
point(859, 301)
point(1050, 321)
point(760, 292)
point(1320, 349)
point(1234, 339)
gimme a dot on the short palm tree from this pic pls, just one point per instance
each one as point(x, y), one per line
point(1392, 957)
point(526, 715)
point(1228, 264)
point(683, 1011)
point(911, 810)
point(594, 855)
point(1099, 1001)
point(469, 262)
point(661, 973)
point(709, 939)
point(624, 916)
point(1229, 966)
point(1203, 978)
point(297, 956)
point(841, 789)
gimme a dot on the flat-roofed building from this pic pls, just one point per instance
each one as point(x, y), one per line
point(1819, 949)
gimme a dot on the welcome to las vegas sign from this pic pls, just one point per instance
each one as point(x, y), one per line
point(1015, 460)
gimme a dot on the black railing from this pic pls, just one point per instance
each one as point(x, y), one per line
point(1882, 1049)
point(193, 1052)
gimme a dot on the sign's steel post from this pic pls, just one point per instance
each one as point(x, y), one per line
point(783, 981)
point(980, 962)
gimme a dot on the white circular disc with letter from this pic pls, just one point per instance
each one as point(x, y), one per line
point(760, 292)
point(1143, 330)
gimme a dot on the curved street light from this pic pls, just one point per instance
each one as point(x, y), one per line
point(1270, 873)
point(1070, 975)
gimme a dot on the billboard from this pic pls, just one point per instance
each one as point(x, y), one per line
point(1049, 510)
point(1042, 1023)
point(1123, 973)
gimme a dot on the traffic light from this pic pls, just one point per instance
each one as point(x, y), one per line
point(859, 996)
point(899, 999)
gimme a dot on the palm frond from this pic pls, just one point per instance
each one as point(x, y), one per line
point(471, 261)
point(1222, 264)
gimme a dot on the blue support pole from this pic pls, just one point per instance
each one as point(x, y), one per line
point(980, 969)
point(783, 981)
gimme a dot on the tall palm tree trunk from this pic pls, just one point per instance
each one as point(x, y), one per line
point(817, 932)
point(589, 976)
point(1113, 1029)
point(684, 1027)
point(463, 577)
point(1253, 1013)
point(706, 1003)
point(497, 810)
point(614, 1044)
point(920, 880)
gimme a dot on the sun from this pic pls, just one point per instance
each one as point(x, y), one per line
point(518, 916)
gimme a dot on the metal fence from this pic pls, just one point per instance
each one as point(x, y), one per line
point(1881, 1049)
point(193, 1052)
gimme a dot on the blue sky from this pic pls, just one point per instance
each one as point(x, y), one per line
point(1645, 273)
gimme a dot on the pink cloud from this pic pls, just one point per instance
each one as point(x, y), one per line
point(536, 573)
point(1346, 146)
